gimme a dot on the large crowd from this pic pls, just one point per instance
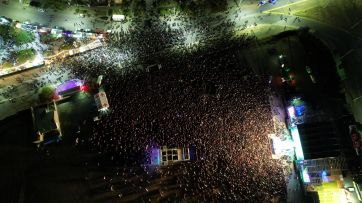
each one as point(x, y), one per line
point(208, 98)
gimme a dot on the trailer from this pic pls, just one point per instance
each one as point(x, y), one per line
point(101, 101)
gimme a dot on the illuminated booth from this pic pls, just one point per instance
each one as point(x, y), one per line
point(69, 87)
point(162, 156)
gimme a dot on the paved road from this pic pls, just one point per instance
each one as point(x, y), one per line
point(66, 18)
point(26, 95)
point(340, 42)
point(71, 21)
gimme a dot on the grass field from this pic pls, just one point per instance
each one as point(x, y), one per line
point(23, 37)
point(7, 64)
point(12, 33)
point(25, 55)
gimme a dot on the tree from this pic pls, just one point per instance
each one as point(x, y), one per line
point(46, 93)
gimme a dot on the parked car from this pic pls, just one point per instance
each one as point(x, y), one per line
point(35, 3)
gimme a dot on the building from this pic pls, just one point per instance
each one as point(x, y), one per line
point(46, 124)
point(320, 149)
point(319, 140)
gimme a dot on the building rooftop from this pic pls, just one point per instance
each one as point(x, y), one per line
point(44, 118)
point(319, 140)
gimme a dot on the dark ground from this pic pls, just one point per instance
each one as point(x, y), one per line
point(54, 174)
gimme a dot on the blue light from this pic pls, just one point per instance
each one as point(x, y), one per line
point(324, 176)
point(299, 110)
point(155, 156)
point(324, 173)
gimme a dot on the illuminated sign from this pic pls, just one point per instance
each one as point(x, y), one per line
point(68, 85)
point(155, 156)
point(118, 17)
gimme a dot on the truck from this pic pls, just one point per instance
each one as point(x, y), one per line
point(101, 101)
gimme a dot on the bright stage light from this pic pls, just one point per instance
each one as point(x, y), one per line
point(280, 145)
point(291, 112)
point(297, 143)
point(306, 178)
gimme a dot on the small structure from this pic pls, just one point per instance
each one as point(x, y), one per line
point(56, 32)
point(164, 156)
point(47, 125)
point(118, 17)
point(69, 87)
point(78, 35)
point(101, 101)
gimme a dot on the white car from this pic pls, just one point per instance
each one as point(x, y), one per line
point(261, 3)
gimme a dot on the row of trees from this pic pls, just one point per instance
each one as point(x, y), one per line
point(19, 36)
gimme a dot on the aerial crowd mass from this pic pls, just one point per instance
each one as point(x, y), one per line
point(207, 98)
point(181, 87)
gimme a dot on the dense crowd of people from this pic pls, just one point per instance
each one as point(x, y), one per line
point(208, 98)
point(179, 81)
